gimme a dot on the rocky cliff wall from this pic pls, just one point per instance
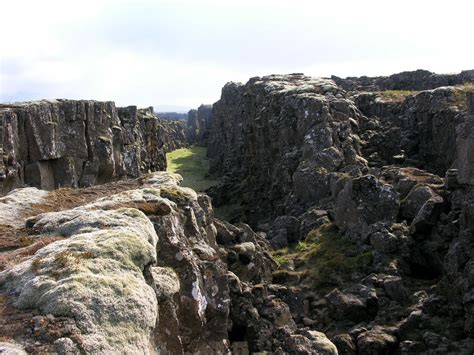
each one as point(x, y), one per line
point(418, 130)
point(282, 142)
point(67, 143)
point(278, 139)
point(282, 145)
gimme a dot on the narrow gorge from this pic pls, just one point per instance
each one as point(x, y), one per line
point(295, 215)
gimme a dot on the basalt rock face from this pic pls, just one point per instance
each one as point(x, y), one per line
point(278, 139)
point(67, 143)
point(199, 125)
point(419, 130)
point(144, 270)
point(192, 126)
point(409, 80)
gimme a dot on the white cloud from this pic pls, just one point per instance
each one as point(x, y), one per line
point(182, 52)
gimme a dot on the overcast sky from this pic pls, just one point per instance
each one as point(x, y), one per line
point(177, 54)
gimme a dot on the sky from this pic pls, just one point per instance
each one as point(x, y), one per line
point(177, 54)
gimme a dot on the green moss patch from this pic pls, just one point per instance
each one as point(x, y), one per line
point(323, 260)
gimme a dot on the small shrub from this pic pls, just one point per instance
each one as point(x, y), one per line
point(280, 259)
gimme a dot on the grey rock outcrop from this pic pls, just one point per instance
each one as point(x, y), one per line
point(67, 143)
point(296, 152)
point(465, 144)
point(363, 202)
point(192, 126)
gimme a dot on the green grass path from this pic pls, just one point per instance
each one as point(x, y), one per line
point(192, 164)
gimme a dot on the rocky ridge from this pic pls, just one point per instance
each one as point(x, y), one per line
point(67, 143)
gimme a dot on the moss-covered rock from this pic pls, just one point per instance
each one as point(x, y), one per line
point(95, 276)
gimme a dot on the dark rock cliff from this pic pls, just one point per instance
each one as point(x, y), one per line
point(279, 139)
point(418, 130)
point(67, 143)
point(199, 125)
point(282, 142)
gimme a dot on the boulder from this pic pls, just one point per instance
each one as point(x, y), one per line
point(284, 231)
point(356, 304)
point(312, 219)
point(375, 342)
point(427, 216)
point(415, 200)
point(362, 202)
point(395, 290)
point(345, 344)
point(384, 241)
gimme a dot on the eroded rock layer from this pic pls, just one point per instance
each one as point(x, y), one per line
point(67, 143)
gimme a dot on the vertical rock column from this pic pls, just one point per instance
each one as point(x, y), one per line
point(9, 165)
point(465, 162)
point(465, 145)
point(470, 103)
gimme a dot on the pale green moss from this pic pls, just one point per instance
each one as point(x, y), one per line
point(155, 192)
point(132, 212)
